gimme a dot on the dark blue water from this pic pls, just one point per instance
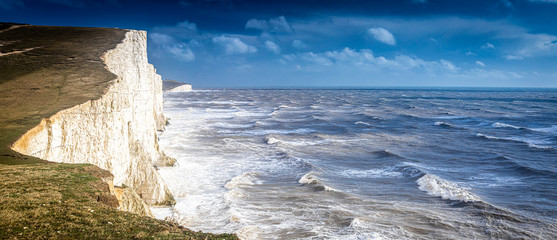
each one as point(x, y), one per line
point(365, 164)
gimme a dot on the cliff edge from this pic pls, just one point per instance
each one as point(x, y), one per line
point(116, 132)
point(175, 86)
point(81, 95)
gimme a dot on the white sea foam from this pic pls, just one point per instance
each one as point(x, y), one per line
point(488, 137)
point(445, 124)
point(246, 178)
point(250, 232)
point(445, 189)
point(363, 228)
point(494, 180)
point(504, 125)
point(533, 143)
point(552, 129)
point(363, 123)
point(310, 179)
point(233, 125)
point(279, 131)
point(540, 146)
point(251, 114)
point(370, 173)
point(161, 212)
point(450, 117)
point(272, 140)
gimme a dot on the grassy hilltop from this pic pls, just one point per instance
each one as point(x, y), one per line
point(42, 71)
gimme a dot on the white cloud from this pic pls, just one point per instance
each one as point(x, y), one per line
point(382, 35)
point(233, 45)
point(514, 57)
point(364, 59)
point(181, 51)
point(273, 47)
point(488, 46)
point(448, 65)
point(257, 24)
point(273, 25)
point(480, 63)
point(299, 44)
point(160, 38)
point(537, 45)
point(165, 44)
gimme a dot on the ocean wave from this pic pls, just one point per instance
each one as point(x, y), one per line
point(445, 124)
point(416, 170)
point(363, 123)
point(233, 125)
point(279, 131)
point(445, 189)
point(273, 139)
point(450, 117)
point(246, 178)
point(249, 232)
point(385, 154)
point(533, 143)
point(491, 180)
point(504, 125)
point(251, 114)
point(370, 173)
point(551, 130)
point(540, 147)
point(521, 167)
point(309, 179)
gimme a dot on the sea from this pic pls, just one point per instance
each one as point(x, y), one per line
point(447, 163)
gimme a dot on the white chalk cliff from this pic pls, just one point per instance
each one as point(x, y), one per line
point(117, 132)
point(181, 88)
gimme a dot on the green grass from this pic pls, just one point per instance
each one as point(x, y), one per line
point(69, 201)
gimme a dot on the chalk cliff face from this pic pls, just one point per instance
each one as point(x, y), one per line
point(182, 88)
point(116, 132)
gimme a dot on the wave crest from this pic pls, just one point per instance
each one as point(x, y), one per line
point(504, 125)
point(246, 178)
point(448, 190)
point(311, 180)
point(530, 142)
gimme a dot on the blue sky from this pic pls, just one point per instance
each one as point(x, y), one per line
point(325, 43)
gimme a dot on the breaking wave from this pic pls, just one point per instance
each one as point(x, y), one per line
point(504, 125)
point(442, 124)
point(246, 178)
point(309, 179)
point(370, 173)
point(445, 189)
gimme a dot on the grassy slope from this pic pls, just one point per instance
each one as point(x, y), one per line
point(40, 200)
point(70, 201)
